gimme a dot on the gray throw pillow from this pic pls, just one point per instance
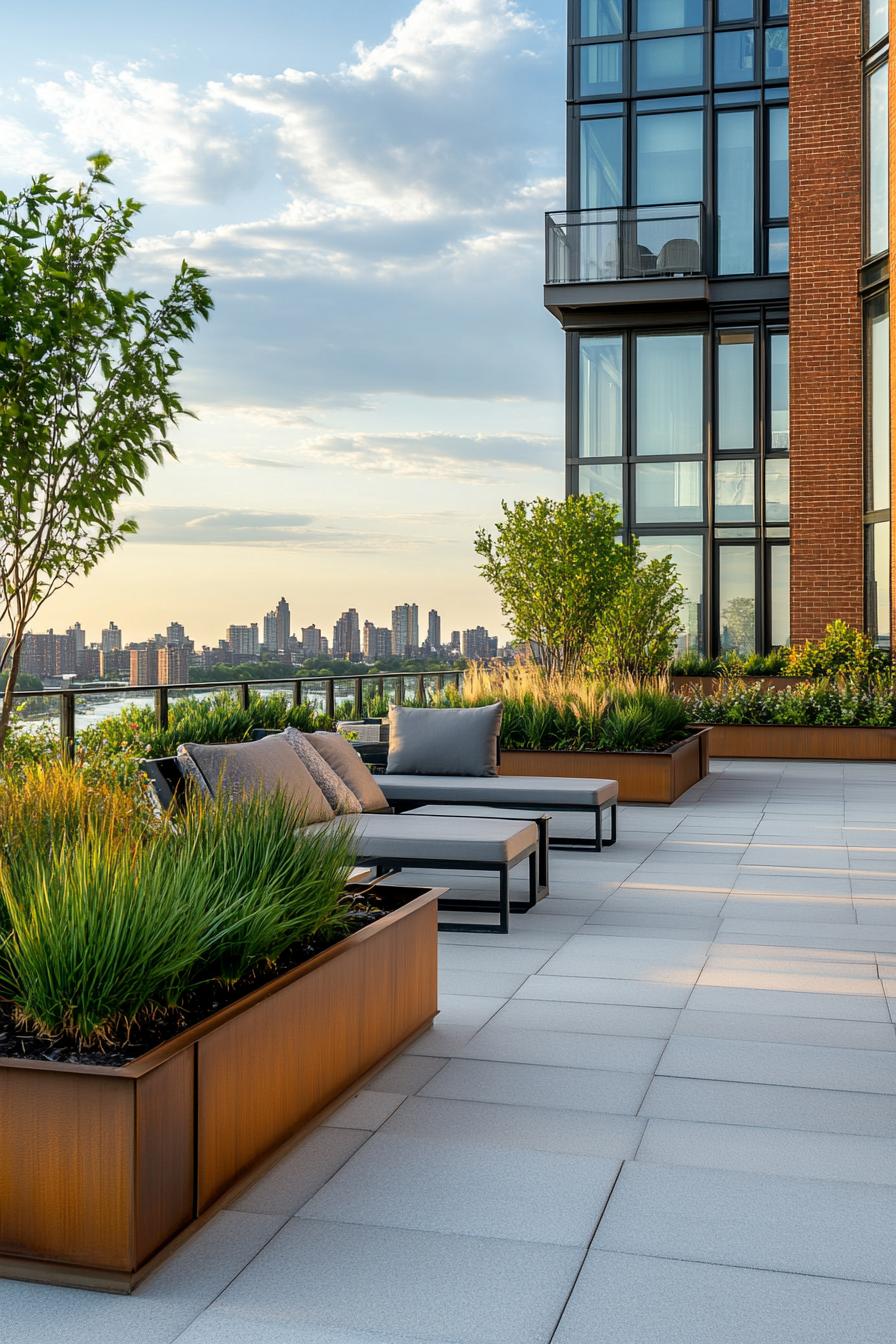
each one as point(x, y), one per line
point(444, 741)
point(336, 792)
point(342, 757)
point(241, 768)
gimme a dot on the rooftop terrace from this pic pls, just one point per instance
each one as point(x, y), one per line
point(662, 1109)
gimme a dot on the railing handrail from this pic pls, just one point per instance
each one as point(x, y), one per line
point(94, 689)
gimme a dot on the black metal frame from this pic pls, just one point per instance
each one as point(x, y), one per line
point(540, 819)
point(504, 905)
point(599, 843)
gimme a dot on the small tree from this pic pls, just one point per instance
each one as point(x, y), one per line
point(557, 569)
point(636, 635)
point(86, 390)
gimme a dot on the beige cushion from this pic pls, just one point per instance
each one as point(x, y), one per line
point(241, 768)
point(342, 757)
point(337, 794)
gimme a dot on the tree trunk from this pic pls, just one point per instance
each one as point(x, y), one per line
point(6, 706)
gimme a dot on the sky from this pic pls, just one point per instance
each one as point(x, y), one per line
point(365, 182)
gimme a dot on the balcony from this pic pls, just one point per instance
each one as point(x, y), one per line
point(641, 253)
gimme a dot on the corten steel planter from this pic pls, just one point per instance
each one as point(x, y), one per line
point(709, 685)
point(101, 1169)
point(643, 776)
point(787, 743)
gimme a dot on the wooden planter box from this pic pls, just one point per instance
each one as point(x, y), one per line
point(786, 743)
point(644, 776)
point(101, 1169)
point(709, 685)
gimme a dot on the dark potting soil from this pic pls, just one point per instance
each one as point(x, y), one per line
point(153, 1027)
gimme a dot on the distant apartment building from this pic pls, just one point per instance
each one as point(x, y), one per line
point(406, 630)
point(269, 632)
point(454, 642)
point(115, 664)
point(377, 641)
point(283, 625)
point(347, 635)
point(478, 643)
point(144, 669)
point(175, 634)
point(110, 639)
point(434, 631)
point(721, 274)
point(311, 641)
point(243, 640)
point(48, 655)
point(173, 664)
point(78, 637)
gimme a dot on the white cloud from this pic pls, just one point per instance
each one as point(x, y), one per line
point(441, 36)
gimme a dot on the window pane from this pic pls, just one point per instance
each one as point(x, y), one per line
point(600, 68)
point(600, 396)
point(777, 490)
point(600, 18)
point(602, 478)
point(877, 582)
point(778, 251)
point(878, 20)
point(654, 14)
point(669, 492)
point(779, 593)
point(669, 63)
point(735, 57)
point(735, 188)
point(776, 9)
point(779, 377)
point(778, 163)
point(601, 167)
point(737, 599)
point(670, 157)
point(729, 11)
point(777, 59)
point(670, 395)
point(877, 407)
point(687, 556)
point(735, 490)
point(737, 400)
point(877, 168)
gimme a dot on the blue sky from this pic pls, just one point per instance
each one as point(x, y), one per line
point(365, 181)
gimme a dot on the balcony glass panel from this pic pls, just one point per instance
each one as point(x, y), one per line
point(624, 244)
point(777, 490)
point(670, 395)
point(600, 396)
point(779, 378)
point(737, 599)
point(600, 18)
point(778, 251)
point(736, 384)
point(778, 163)
point(878, 21)
point(668, 492)
point(735, 496)
point(602, 478)
point(669, 63)
point(600, 69)
point(777, 57)
point(735, 57)
point(877, 166)
point(659, 14)
point(736, 192)
point(730, 11)
point(877, 582)
point(687, 556)
point(779, 594)
point(877, 406)
point(670, 157)
point(600, 184)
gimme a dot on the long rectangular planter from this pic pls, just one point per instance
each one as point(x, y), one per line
point(101, 1168)
point(644, 776)
point(709, 685)
point(787, 743)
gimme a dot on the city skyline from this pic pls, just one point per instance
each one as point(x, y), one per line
point(360, 412)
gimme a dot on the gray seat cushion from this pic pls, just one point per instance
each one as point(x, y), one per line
point(507, 790)
point(241, 768)
point(342, 758)
point(424, 841)
point(444, 741)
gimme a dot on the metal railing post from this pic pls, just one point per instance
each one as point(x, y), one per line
point(381, 687)
point(359, 697)
point(244, 694)
point(399, 690)
point(330, 694)
point(161, 707)
point(67, 724)
point(297, 691)
point(421, 689)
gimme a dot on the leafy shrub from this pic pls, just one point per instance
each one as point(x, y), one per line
point(821, 704)
point(636, 634)
point(772, 664)
point(841, 652)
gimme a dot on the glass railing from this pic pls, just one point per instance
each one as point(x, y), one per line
point(629, 243)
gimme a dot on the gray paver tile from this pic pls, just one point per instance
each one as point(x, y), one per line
point(593, 989)
point(546, 1129)
point(491, 984)
point(867, 1007)
point(787, 1065)
point(366, 1110)
point(406, 1074)
point(786, 1030)
point(601, 1090)
point(304, 1169)
point(605, 1019)
point(574, 1050)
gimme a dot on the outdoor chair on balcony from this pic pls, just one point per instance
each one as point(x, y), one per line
point(680, 256)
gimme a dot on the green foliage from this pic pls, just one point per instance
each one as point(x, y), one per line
point(841, 652)
point(88, 392)
point(813, 703)
point(636, 635)
point(109, 913)
point(557, 569)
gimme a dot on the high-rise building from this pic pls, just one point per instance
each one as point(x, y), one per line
point(405, 630)
point(478, 643)
point(269, 639)
point(347, 635)
point(377, 641)
point(243, 639)
point(110, 639)
point(283, 626)
point(144, 664)
point(715, 375)
point(176, 634)
point(115, 664)
point(78, 638)
point(454, 644)
point(173, 664)
point(434, 631)
point(311, 641)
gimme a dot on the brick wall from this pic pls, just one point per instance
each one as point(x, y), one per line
point(825, 314)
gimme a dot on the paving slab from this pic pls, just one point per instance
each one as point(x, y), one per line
point(297, 1176)
point(818, 1109)
point(604, 1019)
point(593, 989)
point(868, 1007)
point(786, 1029)
point(787, 1065)
point(575, 1050)
point(600, 1090)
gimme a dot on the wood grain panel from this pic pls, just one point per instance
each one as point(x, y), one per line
point(802, 744)
point(643, 776)
point(163, 1156)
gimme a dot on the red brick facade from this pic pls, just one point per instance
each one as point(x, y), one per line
point(825, 314)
